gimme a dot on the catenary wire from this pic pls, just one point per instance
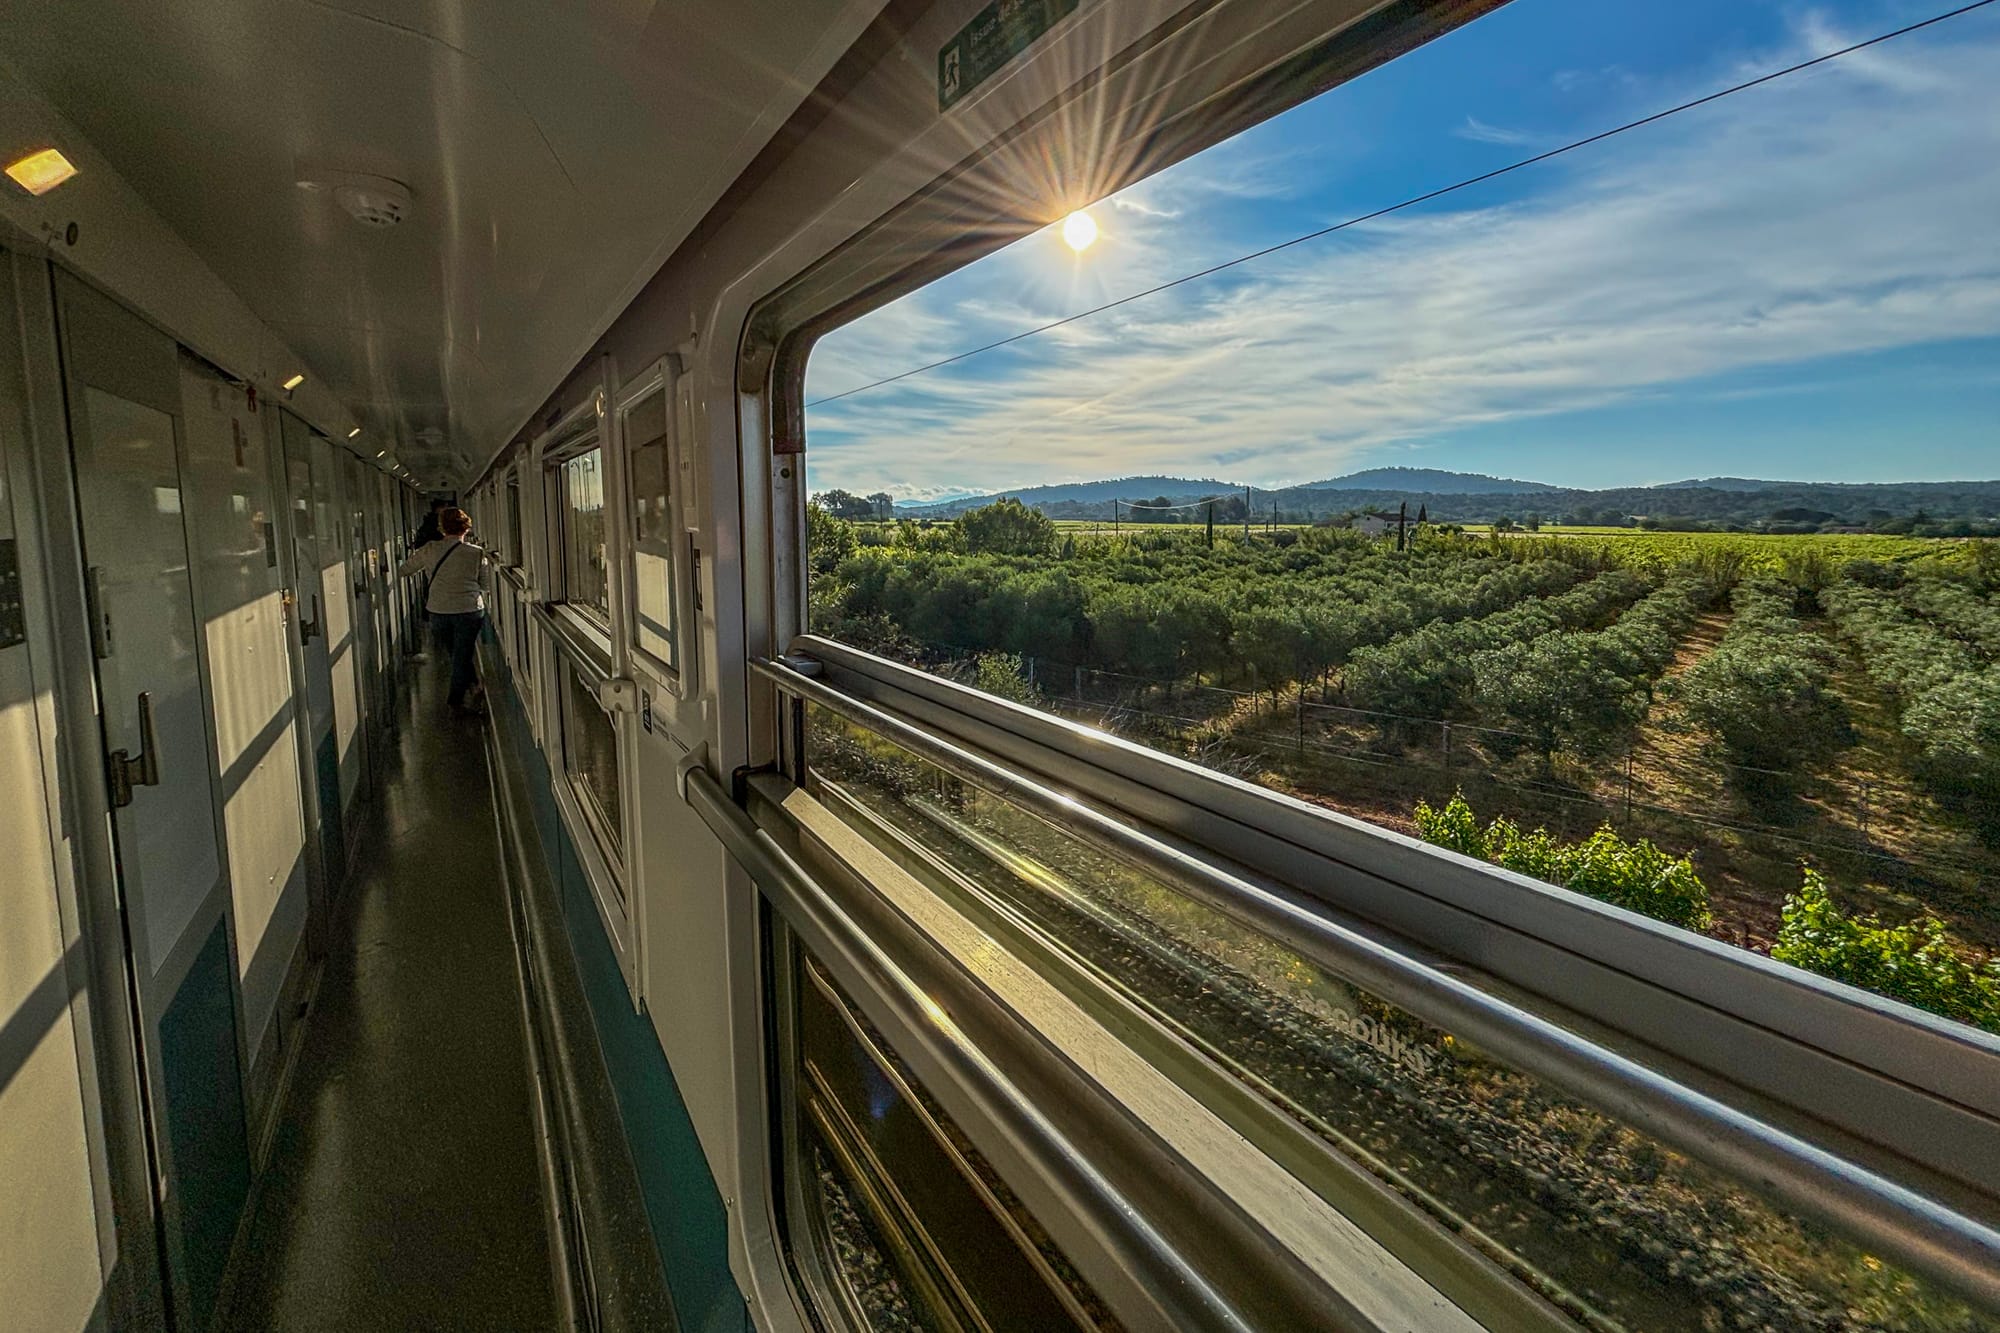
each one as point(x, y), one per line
point(1411, 202)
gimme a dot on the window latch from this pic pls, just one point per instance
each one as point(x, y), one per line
point(618, 694)
point(126, 771)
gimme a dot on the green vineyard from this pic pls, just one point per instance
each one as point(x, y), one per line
point(1709, 710)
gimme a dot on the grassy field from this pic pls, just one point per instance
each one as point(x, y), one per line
point(1764, 550)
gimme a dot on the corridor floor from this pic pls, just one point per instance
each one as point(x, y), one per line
point(404, 1185)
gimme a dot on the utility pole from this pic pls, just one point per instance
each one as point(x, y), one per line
point(1246, 515)
point(1211, 523)
point(1114, 516)
point(1402, 524)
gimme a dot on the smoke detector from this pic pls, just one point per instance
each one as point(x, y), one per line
point(373, 201)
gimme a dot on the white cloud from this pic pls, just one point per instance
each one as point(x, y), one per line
point(1844, 210)
point(1479, 131)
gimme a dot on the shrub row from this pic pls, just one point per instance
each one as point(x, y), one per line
point(1428, 672)
point(1582, 690)
point(1958, 611)
point(1765, 691)
point(1918, 963)
point(1261, 614)
point(1947, 701)
point(1637, 876)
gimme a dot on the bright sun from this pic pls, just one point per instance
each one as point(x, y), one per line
point(1079, 229)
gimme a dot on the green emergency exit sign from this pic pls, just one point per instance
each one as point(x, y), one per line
point(995, 36)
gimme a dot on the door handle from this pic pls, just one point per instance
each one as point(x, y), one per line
point(127, 772)
point(309, 629)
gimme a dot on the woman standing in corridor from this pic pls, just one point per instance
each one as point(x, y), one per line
point(455, 598)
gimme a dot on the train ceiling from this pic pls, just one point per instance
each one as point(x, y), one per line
point(439, 206)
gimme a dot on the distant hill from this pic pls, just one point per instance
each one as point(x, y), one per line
point(1725, 484)
point(1458, 497)
point(1102, 493)
point(1428, 481)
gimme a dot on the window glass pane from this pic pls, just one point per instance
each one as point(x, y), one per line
point(584, 562)
point(652, 528)
point(590, 756)
point(1602, 1221)
point(1612, 492)
point(920, 1230)
point(653, 576)
point(646, 434)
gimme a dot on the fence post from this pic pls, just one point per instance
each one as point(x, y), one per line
point(1300, 747)
point(1031, 668)
point(1079, 682)
point(1864, 810)
point(1628, 784)
point(1447, 743)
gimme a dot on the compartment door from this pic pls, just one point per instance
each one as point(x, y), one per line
point(302, 503)
point(123, 388)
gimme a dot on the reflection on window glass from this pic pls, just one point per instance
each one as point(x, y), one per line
point(1646, 487)
point(581, 487)
point(861, 1261)
point(646, 434)
point(920, 1225)
point(590, 756)
point(652, 527)
point(1602, 1221)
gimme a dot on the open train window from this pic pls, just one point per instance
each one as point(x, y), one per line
point(1386, 522)
point(1498, 692)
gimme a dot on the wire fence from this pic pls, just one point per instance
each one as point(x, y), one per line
point(1247, 731)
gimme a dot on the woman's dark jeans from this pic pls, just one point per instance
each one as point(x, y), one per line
point(459, 634)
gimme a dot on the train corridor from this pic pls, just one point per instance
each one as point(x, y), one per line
point(403, 1189)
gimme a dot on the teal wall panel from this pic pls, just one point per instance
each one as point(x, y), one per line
point(332, 837)
point(204, 1121)
point(690, 1225)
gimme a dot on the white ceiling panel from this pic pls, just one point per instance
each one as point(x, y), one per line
point(555, 153)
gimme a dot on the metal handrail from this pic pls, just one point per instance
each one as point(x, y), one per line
point(589, 658)
point(1179, 1297)
point(1886, 1216)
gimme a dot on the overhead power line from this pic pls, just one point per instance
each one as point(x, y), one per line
point(1411, 202)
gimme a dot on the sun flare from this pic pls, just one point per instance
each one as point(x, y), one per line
point(1079, 229)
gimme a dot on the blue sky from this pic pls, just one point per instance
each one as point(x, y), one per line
point(1800, 281)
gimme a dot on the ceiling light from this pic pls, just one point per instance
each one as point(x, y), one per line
point(356, 431)
point(38, 173)
point(295, 381)
point(380, 452)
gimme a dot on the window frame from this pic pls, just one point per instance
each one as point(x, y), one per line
point(1915, 1091)
point(561, 636)
point(509, 486)
point(562, 588)
point(610, 841)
